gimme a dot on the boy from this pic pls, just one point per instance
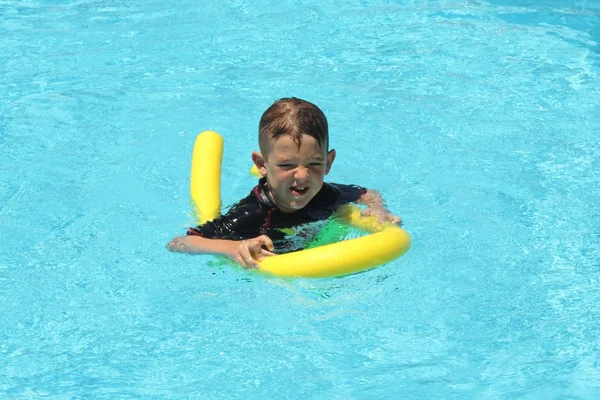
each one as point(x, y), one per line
point(293, 160)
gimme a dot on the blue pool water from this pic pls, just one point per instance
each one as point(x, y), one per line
point(478, 121)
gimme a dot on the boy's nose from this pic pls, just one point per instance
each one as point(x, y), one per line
point(301, 173)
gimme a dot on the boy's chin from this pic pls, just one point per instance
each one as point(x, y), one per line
point(291, 203)
point(297, 204)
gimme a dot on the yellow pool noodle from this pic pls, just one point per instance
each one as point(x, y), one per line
point(205, 176)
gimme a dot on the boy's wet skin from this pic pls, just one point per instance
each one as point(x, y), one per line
point(294, 172)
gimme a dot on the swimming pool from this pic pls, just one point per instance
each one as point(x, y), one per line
point(477, 120)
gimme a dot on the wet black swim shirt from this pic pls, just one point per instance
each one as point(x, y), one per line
point(256, 215)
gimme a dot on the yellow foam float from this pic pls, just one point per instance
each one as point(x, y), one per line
point(384, 243)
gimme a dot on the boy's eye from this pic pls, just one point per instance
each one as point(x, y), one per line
point(291, 166)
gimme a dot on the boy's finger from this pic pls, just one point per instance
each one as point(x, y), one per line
point(261, 256)
point(240, 260)
point(266, 241)
point(245, 258)
point(250, 261)
point(394, 219)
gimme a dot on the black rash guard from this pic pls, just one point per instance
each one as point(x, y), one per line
point(256, 215)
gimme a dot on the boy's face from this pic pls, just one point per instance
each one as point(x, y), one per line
point(294, 175)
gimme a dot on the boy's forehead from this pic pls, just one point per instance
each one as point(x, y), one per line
point(287, 144)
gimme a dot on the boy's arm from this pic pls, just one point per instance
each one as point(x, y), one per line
point(247, 253)
point(376, 207)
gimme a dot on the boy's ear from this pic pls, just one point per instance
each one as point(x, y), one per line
point(259, 161)
point(330, 158)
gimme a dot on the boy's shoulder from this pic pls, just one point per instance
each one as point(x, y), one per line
point(344, 190)
point(255, 205)
point(258, 196)
point(337, 194)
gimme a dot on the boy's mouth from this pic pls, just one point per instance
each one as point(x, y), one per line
point(299, 190)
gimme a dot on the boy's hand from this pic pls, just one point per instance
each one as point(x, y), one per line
point(376, 208)
point(381, 214)
point(249, 252)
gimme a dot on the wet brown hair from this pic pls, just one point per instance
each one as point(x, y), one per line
point(294, 117)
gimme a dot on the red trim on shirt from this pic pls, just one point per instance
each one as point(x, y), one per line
point(268, 221)
point(194, 232)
